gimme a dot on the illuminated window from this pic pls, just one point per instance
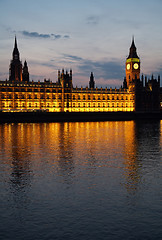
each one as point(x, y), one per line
point(35, 104)
point(29, 104)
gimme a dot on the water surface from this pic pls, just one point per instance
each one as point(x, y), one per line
point(94, 180)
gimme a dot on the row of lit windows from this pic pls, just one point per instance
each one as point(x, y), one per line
point(102, 105)
point(23, 105)
point(101, 97)
point(59, 105)
point(16, 96)
point(47, 96)
point(30, 90)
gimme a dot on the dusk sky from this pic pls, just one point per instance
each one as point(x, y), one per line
point(86, 36)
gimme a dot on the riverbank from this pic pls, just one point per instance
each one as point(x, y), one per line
point(16, 117)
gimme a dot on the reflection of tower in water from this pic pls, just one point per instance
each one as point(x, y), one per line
point(131, 162)
point(21, 157)
point(66, 145)
point(140, 142)
point(17, 149)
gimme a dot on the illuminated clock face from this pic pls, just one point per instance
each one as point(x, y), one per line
point(128, 66)
point(136, 66)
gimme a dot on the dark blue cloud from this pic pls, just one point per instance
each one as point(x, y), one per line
point(46, 36)
point(101, 69)
point(66, 36)
point(72, 57)
point(104, 69)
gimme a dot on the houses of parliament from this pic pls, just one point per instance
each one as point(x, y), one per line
point(137, 94)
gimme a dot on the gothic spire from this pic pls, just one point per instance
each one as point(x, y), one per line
point(132, 50)
point(15, 51)
point(15, 42)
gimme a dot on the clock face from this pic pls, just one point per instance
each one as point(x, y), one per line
point(128, 66)
point(136, 66)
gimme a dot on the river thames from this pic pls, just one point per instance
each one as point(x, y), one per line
point(83, 180)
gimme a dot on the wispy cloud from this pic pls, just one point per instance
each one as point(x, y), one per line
point(110, 69)
point(92, 20)
point(73, 58)
point(42, 35)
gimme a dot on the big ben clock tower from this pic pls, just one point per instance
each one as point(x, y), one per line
point(132, 66)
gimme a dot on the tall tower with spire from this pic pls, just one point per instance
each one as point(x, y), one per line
point(15, 70)
point(132, 66)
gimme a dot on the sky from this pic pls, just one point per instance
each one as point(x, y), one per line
point(85, 36)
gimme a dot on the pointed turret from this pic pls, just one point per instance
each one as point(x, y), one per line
point(91, 81)
point(132, 50)
point(15, 53)
point(15, 70)
point(25, 74)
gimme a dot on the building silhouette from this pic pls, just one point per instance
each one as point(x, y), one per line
point(137, 93)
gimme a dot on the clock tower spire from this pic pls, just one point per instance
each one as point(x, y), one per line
point(132, 66)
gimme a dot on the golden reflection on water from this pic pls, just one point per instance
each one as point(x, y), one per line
point(66, 146)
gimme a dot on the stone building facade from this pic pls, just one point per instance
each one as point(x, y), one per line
point(20, 94)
